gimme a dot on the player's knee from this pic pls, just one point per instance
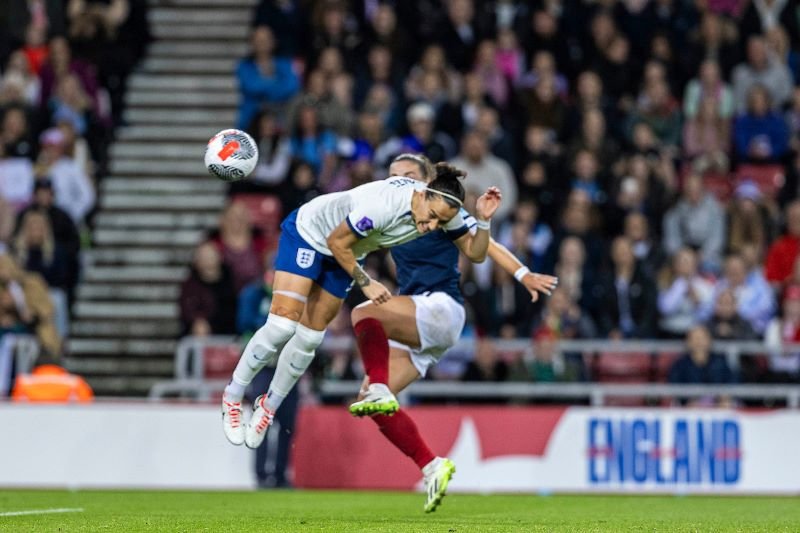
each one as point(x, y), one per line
point(271, 336)
point(360, 313)
point(305, 342)
point(286, 312)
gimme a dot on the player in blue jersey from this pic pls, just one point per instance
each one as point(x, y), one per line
point(318, 258)
point(401, 339)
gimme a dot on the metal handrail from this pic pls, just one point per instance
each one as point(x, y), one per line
point(189, 367)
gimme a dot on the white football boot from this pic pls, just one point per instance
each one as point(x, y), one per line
point(437, 476)
point(378, 400)
point(232, 423)
point(260, 422)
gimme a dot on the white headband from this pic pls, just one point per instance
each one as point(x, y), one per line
point(446, 195)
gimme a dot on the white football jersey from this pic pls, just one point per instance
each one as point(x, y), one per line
point(378, 212)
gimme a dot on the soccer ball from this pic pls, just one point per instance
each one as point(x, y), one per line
point(231, 155)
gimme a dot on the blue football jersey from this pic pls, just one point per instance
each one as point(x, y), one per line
point(430, 263)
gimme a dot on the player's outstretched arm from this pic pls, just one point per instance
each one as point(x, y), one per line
point(340, 243)
point(535, 283)
point(476, 246)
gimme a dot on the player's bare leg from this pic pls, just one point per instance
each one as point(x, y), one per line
point(285, 312)
point(293, 361)
point(374, 325)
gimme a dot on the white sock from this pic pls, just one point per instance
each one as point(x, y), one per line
point(292, 363)
point(260, 351)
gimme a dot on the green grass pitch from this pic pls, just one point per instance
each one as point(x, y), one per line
point(289, 511)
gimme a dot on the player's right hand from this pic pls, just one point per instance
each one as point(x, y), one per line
point(376, 292)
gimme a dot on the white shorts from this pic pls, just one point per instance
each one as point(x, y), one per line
point(440, 320)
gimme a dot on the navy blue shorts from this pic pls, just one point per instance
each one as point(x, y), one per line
point(298, 257)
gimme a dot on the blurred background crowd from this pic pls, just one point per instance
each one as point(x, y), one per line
point(648, 152)
point(63, 67)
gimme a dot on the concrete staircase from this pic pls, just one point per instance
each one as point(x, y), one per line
point(157, 201)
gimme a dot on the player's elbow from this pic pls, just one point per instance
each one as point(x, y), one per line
point(477, 257)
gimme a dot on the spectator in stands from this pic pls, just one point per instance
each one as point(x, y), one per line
point(542, 105)
point(461, 34)
point(784, 251)
point(252, 310)
point(314, 144)
point(240, 245)
point(71, 104)
point(485, 170)
point(748, 219)
point(264, 78)
point(19, 83)
point(485, 366)
point(37, 251)
point(660, 110)
point(563, 318)
point(16, 180)
point(682, 293)
point(383, 29)
point(764, 69)
point(593, 136)
point(760, 134)
point(587, 176)
point(300, 188)
point(6, 224)
point(537, 235)
point(784, 366)
point(60, 63)
point(726, 323)
point(755, 300)
point(778, 44)
point(288, 20)
point(319, 92)
point(274, 156)
point(34, 306)
point(715, 38)
point(487, 68)
point(500, 141)
point(434, 63)
point(380, 69)
point(628, 295)
point(707, 139)
point(15, 134)
point(708, 85)
point(63, 229)
point(74, 192)
point(208, 298)
point(509, 55)
point(645, 247)
point(699, 364)
point(793, 121)
point(696, 221)
point(334, 27)
point(459, 115)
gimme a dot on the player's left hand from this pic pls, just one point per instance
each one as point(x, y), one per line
point(536, 283)
point(488, 203)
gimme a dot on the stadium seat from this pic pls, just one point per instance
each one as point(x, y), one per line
point(769, 178)
point(614, 367)
point(219, 361)
point(720, 185)
point(265, 210)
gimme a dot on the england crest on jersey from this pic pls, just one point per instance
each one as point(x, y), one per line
point(305, 257)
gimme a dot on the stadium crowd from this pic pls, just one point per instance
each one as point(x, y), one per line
point(63, 67)
point(648, 153)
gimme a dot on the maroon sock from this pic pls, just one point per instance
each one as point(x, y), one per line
point(374, 346)
point(403, 433)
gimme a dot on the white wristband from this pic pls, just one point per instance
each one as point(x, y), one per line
point(483, 224)
point(520, 273)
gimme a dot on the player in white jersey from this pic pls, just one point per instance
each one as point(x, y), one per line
point(317, 262)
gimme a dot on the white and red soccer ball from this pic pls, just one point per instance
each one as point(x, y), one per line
point(231, 155)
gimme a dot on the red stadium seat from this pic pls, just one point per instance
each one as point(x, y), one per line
point(265, 210)
point(720, 185)
point(769, 178)
point(662, 363)
point(219, 361)
point(613, 367)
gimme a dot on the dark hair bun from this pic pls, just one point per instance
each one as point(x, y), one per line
point(447, 172)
